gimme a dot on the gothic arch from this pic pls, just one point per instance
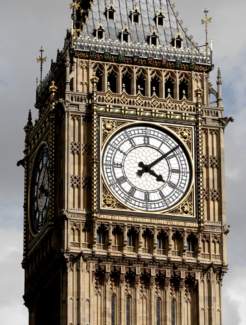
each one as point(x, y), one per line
point(141, 82)
point(170, 85)
point(112, 79)
point(156, 84)
point(127, 81)
point(99, 73)
point(184, 87)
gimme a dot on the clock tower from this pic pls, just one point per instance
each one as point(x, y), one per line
point(124, 215)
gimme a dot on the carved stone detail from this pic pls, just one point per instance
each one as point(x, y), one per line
point(75, 181)
point(110, 126)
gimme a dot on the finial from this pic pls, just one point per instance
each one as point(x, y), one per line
point(206, 21)
point(41, 59)
point(29, 123)
point(75, 5)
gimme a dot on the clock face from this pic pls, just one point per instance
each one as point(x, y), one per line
point(40, 190)
point(146, 168)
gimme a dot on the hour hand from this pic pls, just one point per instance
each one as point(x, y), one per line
point(159, 178)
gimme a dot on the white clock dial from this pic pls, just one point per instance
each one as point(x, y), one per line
point(146, 168)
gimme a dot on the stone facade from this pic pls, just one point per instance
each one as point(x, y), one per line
point(91, 259)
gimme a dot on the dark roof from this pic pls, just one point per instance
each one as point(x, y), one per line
point(94, 17)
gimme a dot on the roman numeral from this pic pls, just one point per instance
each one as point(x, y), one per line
point(146, 196)
point(146, 140)
point(117, 165)
point(172, 185)
point(121, 180)
point(132, 191)
point(175, 171)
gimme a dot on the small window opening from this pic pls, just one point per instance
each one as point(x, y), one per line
point(153, 39)
point(102, 236)
point(177, 42)
point(109, 12)
point(159, 19)
point(169, 88)
point(183, 89)
point(112, 81)
point(135, 16)
point(125, 36)
point(148, 241)
point(99, 33)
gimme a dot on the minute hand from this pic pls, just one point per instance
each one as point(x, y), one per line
point(161, 157)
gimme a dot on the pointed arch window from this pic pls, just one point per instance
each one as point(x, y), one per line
point(132, 240)
point(127, 81)
point(114, 310)
point(158, 311)
point(162, 242)
point(129, 310)
point(183, 89)
point(177, 244)
point(169, 87)
point(117, 239)
point(99, 74)
point(155, 85)
point(147, 241)
point(191, 245)
point(174, 312)
point(141, 83)
point(102, 236)
point(112, 80)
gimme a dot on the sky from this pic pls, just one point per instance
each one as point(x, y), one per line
point(25, 26)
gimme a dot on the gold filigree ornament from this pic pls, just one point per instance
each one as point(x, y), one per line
point(109, 126)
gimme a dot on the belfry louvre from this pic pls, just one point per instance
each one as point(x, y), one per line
point(124, 217)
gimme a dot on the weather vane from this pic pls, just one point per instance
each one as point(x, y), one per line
point(206, 21)
point(41, 59)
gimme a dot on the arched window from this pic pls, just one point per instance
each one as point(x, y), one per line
point(191, 245)
point(114, 310)
point(112, 80)
point(155, 85)
point(162, 241)
point(117, 239)
point(141, 80)
point(147, 241)
point(99, 75)
point(174, 312)
point(169, 87)
point(158, 311)
point(177, 244)
point(129, 310)
point(102, 236)
point(132, 240)
point(183, 89)
point(127, 81)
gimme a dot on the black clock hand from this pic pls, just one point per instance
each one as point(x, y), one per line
point(162, 157)
point(147, 168)
point(159, 178)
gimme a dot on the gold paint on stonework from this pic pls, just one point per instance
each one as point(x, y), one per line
point(109, 201)
point(110, 126)
point(185, 134)
point(186, 208)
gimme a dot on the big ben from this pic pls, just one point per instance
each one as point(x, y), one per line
point(124, 209)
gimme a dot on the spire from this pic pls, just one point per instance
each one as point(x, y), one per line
point(29, 124)
point(219, 88)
